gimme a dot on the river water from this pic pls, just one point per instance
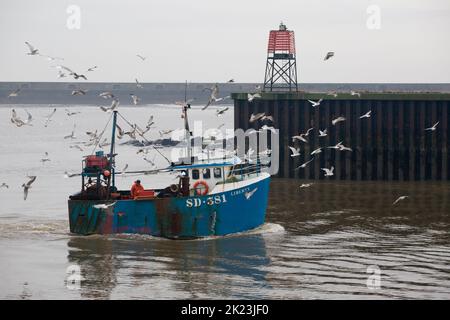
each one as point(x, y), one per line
point(333, 240)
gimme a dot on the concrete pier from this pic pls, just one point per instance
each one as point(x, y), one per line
point(390, 145)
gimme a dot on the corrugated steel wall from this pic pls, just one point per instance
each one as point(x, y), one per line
point(390, 145)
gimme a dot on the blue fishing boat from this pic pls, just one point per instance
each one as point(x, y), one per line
point(211, 198)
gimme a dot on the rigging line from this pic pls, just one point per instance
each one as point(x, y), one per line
point(101, 134)
point(142, 135)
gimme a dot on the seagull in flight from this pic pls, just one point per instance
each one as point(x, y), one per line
point(300, 137)
point(4, 185)
point(19, 122)
point(433, 128)
point(92, 68)
point(332, 93)
point(214, 96)
point(366, 115)
point(341, 147)
point(266, 127)
point(399, 199)
point(69, 175)
point(46, 158)
point(138, 84)
point(15, 93)
point(322, 133)
point(27, 186)
point(249, 194)
point(255, 117)
point(78, 92)
point(104, 205)
point(295, 151)
point(76, 147)
point(304, 164)
point(250, 96)
point(32, 50)
point(106, 95)
point(338, 146)
point(71, 113)
point(49, 117)
point(72, 135)
point(354, 93)
point(315, 103)
point(317, 151)
point(221, 111)
point(329, 55)
point(328, 172)
point(141, 57)
point(305, 185)
point(338, 119)
point(114, 105)
point(135, 99)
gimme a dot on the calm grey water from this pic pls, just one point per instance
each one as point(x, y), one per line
point(318, 242)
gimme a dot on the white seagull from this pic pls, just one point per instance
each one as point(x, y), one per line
point(338, 119)
point(322, 133)
point(304, 164)
point(317, 151)
point(72, 135)
point(250, 96)
point(354, 93)
point(328, 172)
point(104, 205)
point(366, 115)
point(135, 99)
point(433, 128)
point(399, 199)
point(49, 117)
point(315, 103)
point(141, 57)
point(295, 151)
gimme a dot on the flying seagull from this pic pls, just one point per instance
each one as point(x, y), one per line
point(19, 122)
point(317, 151)
point(255, 117)
point(249, 194)
point(214, 96)
point(328, 172)
point(71, 113)
point(49, 117)
point(354, 93)
point(106, 95)
point(304, 164)
point(322, 133)
point(399, 199)
point(46, 158)
point(92, 68)
point(135, 99)
point(72, 135)
point(295, 151)
point(4, 185)
point(27, 186)
point(221, 111)
point(305, 185)
point(104, 205)
point(15, 93)
point(366, 115)
point(315, 103)
point(329, 55)
point(433, 128)
point(338, 119)
point(138, 84)
point(251, 97)
point(78, 92)
point(33, 51)
point(114, 105)
point(141, 57)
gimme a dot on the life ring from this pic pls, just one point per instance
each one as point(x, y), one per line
point(204, 187)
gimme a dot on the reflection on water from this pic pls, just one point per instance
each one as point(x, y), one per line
point(169, 269)
point(318, 244)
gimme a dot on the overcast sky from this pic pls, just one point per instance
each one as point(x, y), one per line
point(213, 41)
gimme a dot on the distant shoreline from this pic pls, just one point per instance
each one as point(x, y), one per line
point(168, 93)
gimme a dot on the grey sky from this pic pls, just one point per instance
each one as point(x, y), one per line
point(213, 41)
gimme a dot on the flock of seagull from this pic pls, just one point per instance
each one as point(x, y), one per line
point(95, 138)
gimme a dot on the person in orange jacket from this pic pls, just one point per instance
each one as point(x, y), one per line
point(136, 188)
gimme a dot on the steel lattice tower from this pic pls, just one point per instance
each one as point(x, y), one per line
point(281, 66)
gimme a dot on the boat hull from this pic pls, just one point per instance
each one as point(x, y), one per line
point(237, 210)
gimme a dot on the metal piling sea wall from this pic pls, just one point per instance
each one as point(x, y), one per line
point(390, 145)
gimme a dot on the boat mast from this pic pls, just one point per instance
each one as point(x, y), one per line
point(111, 152)
point(186, 125)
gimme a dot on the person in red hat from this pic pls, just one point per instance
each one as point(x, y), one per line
point(136, 189)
